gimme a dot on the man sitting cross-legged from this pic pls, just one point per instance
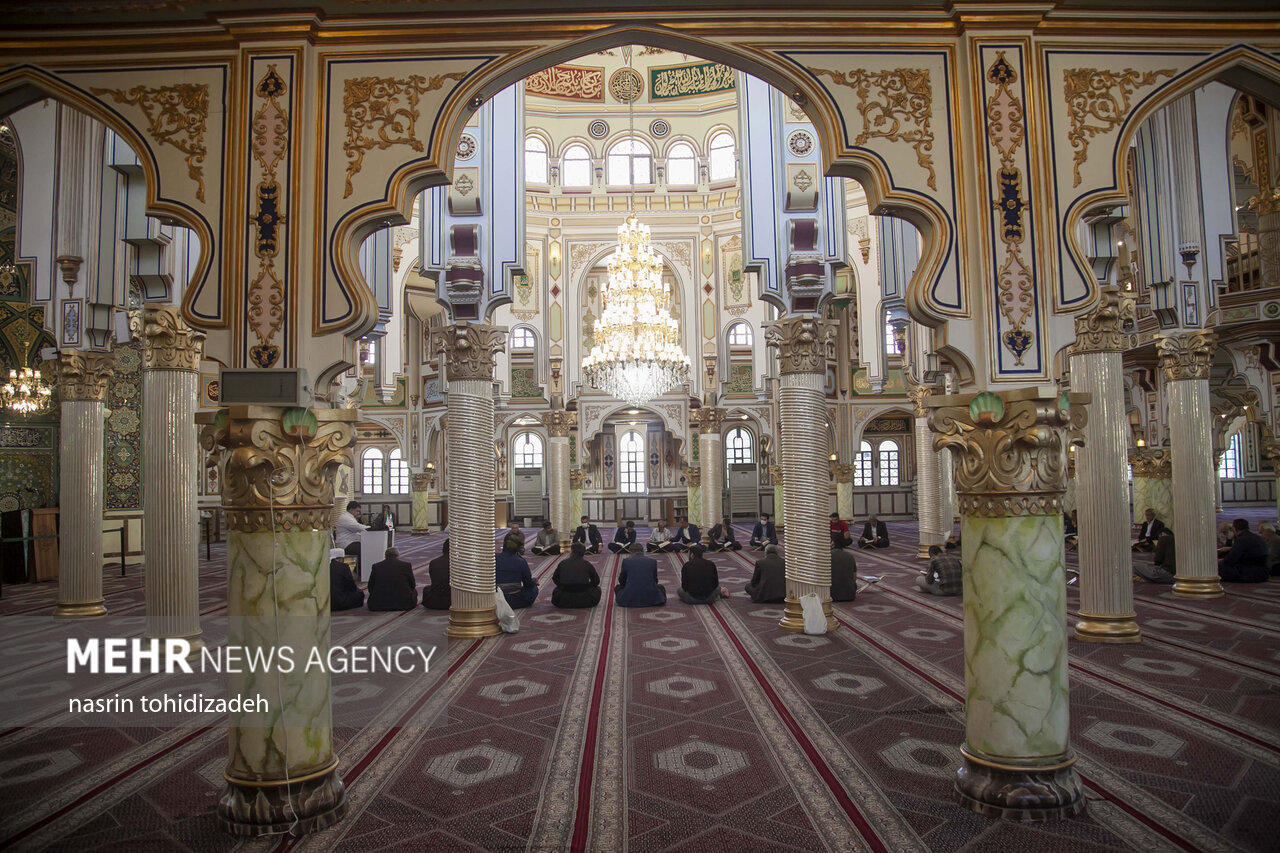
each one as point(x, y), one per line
point(624, 539)
point(875, 534)
point(660, 539)
point(722, 538)
point(764, 533)
point(547, 541)
point(589, 535)
point(699, 579)
point(576, 580)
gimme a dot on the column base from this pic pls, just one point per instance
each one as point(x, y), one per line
point(793, 615)
point(249, 809)
point(923, 552)
point(1098, 628)
point(470, 624)
point(72, 611)
point(419, 531)
point(1210, 587)
point(1032, 792)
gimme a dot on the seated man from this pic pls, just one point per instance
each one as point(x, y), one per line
point(875, 534)
point(1226, 537)
point(1164, 567)
point(511, 572)
point(343, 592)
point(660, 539)
point(391, 584)
point(769, 580)
point(513, 529)
point(686, 537)
point(1070, 528)
point(1246, 562)
point(944, 575)
point(547, 542)
point(839, 526)
point(437, 595)
point(638, 583)
point(577, 582)
point(346, 533)
point(1272, 538)
point(699, 579)
point(589, 535)
point(722, 538)
point(844, 571)
point(1149, 533)
point(764, 533)
point(624, 539)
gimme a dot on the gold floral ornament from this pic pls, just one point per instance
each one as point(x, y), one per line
point(280, 464)
point(558, 422)
point(707, 420)
point(804, 343)
point(169, 343)
point(83, 375)
point(1151, 463)
point(1098, 101)
point(383, 111)
point(1010, 452)
point(470, 350)
point(176, 116)
point(1187, 356)
point(1102, 329)
point(895, 105)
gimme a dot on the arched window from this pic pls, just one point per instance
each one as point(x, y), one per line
point(575, 167)
point(738, 447)
point(723, 164)
point(522, 338)
point(740, 335)
point(631, 463)
point(682, 166)
point(535, 160)
point(527, 450)
point(629, 163)
point(862, 466)
point(888, 452)
point(397, 474)
point(1232, 465)
point(371, 472)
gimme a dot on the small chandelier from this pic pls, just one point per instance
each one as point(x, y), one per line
point(26, 392)
point(636, 354)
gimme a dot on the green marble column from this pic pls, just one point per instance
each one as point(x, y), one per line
point(1010, 453)
point(693, 487)
point(779, 508)
point(420, 508)
point(278, 497)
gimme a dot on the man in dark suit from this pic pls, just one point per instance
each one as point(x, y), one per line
point(722, 537)
point(638, 583)
point(875, 534)
point(589, 535)
point(576, 580)
point(844, 571)
point(699, 579)
point(1246, 562)
point(686, 537)
point(437, 595)
point(343, 592)
point(391, 584)
point(769, 580)
point(764, 533)
point(624, 539)
point(511, 572)
point(1149, 534)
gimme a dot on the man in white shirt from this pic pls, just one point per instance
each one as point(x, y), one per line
point(346, 533)
point(660, 538)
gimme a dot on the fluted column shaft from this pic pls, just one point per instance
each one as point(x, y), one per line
point(927, 495)
point(558, 456)
point(844, 491)
point(946, 517)
point(170, 472)
point(82, 383)
point(711, 455)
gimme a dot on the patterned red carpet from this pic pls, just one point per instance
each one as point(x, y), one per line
point(684, 729)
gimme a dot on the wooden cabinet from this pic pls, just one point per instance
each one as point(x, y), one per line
point(44, 522)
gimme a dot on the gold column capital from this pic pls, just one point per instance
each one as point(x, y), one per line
point(1151, 463)
point(692, 476)
point(1010, 449)
point(805, 344)
point(1187, 356)
point(82, 375)
point(1271, 452)
point(1102, 329)
point(420, 482)
point(707, 420)
point(558, 422)
point(470, 350)
point(280, 464)
point(576, 478)
point(918, 393)
point(169, 343)
point(844, 473)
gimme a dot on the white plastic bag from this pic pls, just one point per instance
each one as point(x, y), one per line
point(815, 621)
point(508, 621)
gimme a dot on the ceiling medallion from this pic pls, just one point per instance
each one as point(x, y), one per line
point(800, 143)
point(626, 85)
point(467, 147)
point(598, 129)
point(659, 128)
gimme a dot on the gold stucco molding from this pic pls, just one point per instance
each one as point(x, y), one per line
point(470, 350)
point(83, 375)
point(176, 115)
point(707, 420)
point(168, 342)
point(692, 476)
point(558, 422)
point(805, 344)
point(1098, 101)
point(1188, 355)
point(1102, 329)
point(1151, 463)
point(576, 478)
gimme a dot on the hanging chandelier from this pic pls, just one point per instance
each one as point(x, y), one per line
point(636, 355)
point(26, 392)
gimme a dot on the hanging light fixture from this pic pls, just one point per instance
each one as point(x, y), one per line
point(636, 354)
point(26, 392)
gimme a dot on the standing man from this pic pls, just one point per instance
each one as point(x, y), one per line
point(589, 535)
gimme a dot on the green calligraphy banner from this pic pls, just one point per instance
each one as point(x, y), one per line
point(668, 82)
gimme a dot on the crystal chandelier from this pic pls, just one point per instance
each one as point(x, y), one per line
point(26, 392)
point(636, 355)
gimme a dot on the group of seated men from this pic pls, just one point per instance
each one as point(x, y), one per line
point(721, 537)
point(875, 533)
point(1244, 556)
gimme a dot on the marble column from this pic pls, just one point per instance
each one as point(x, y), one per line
point(1010, 452)
point(344, 491)
point(928, 496)
point(468, 351)
point(277, 496)
point(576, 476)
point(420, 495)
point(844, 492)
point(804, 345)
point(693, 488)
point(1101, 468)
point(558, 423)
point(1271, 453)
point(708, 420)
point(779, 494)
point(1185, 359)
point(170, 472)
point(82, 378)
point(1152, 486)
point(946, 495)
